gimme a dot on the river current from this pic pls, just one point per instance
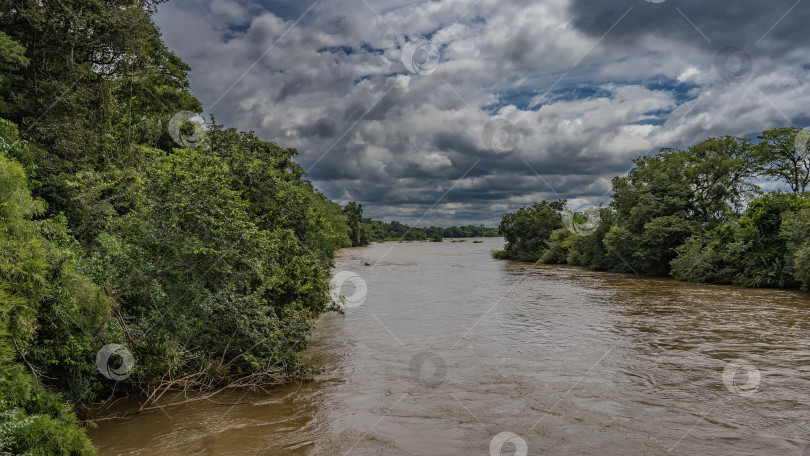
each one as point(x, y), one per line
point(446, 351)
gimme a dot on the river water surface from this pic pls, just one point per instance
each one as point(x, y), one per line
point(453, 353)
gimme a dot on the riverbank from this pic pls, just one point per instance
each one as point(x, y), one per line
point(700, 214)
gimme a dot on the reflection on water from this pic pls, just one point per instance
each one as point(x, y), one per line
point(452, 351)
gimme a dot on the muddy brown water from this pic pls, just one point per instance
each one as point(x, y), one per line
point(454, 353)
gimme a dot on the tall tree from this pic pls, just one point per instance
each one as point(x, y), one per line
point(783, 154)
point(98, 87)
point(718, 172)
point(667, 197)
point(99, 81)
point(358, 231)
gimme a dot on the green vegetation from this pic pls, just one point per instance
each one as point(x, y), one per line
point(466, 231)
point(695, 214)
point(526, 230)
point(49, 313)
point(364, 231)
point(208, 263)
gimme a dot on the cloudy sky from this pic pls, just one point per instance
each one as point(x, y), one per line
point(456, 111)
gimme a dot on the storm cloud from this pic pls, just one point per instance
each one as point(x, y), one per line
point(582, 86)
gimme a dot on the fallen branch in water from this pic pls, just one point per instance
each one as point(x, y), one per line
point(208, 383)
point(213, 378)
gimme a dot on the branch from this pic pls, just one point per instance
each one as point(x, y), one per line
point(222, 359)
point(240, 383)
point(33, 371)
point(117, 310)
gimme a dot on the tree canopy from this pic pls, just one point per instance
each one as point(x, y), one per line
point(696, 214)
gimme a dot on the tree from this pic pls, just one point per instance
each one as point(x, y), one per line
point(654, 213)
point(99, 82)
point(693, 213)
point(526, 231)
point(666, 198)
point(718, 172)
point(782, 153)
point(233, 246)
point(358, 231)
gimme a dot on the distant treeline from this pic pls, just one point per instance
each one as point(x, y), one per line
point(363, 231)
point(695, 214)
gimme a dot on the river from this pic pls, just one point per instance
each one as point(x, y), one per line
point(454, 353)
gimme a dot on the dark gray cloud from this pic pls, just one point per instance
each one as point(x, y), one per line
point(588, 85)
point(776, 25)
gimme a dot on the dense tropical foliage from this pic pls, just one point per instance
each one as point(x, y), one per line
point(202, 250)
point(694, 213)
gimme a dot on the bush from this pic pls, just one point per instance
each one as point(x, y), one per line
point(760, 248)
point(560, 243)
point(707, 257)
